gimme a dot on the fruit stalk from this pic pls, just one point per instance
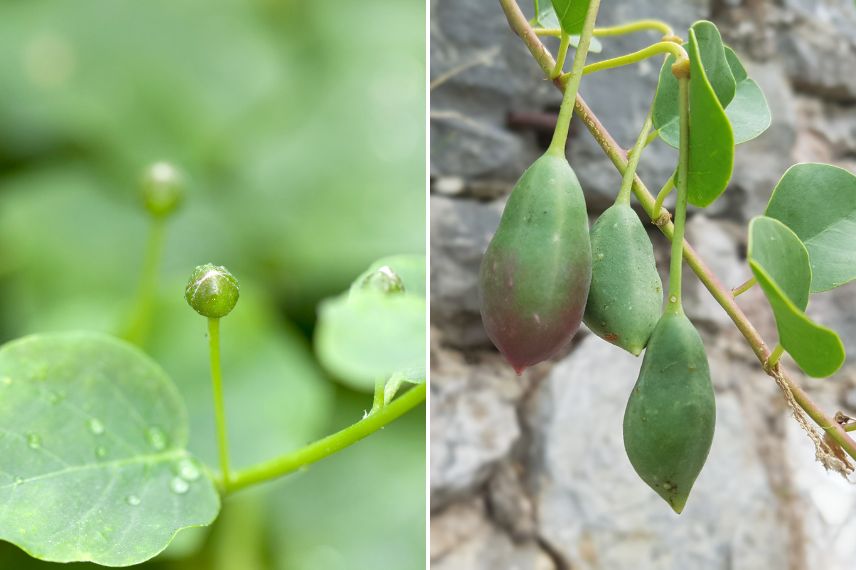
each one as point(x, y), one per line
point(676, 265)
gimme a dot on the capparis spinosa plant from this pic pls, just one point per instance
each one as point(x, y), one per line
point(545, 272)
point(94, 457)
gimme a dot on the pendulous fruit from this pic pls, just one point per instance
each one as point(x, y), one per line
point(535, 275)
point(670, 416)
point(626, 295)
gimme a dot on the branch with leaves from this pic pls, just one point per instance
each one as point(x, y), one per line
point(703, 106)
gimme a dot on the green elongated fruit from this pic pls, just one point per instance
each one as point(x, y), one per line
point(626, 295)
point(535, 275)
point(670, 416)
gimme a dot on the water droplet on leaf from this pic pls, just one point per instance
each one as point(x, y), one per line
point(34, 441)
point(188, 470)
point(132, 500)
point(179, 486)
point(156, 437)
point(100, 451)
point(95, 426)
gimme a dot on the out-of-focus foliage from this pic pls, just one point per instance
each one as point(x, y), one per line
point(300, 127)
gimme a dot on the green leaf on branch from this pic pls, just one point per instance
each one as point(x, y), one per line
point(546, 18)
point(744, 102)
point(714, 61)
point(748, 111)
point(780, 263)
point(571, 14)
point(93, 465)
point(365, 334)
point(711, 136)
point(818, 202)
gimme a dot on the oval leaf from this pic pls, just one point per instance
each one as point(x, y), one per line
point(367, 335)
point(571, 14)
point(818, 202)
point(779, 261)
point(748, 111)
point(711, 136)
point(93, 465)
point(713, 59)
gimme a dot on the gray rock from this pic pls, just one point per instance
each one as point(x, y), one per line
point(473, 421)
point(460, 232)
point(596, 513)
point(463, 538)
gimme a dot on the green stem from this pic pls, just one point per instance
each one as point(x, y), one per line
point(620, 30)
point(138, 326)
point(737, 291)
point(564, 44)
point(377, 402)
point(661, 197)
point(566, 112)
point(633, 163)
point(674, 304)
point(850, 427)
point(717, 290)
point(295, 460)
point(637, 26)
point(653, 50)
point(219, 407)
point(774, 357)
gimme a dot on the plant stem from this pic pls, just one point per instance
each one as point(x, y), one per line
point(566, 111)
point(219, 408)
point(137, 329)
point(654, 49)
point(295, 460)
point(636, 26)
point(661, 197)
point(720, 293)
point(635, 155)
point(564, 44)
point(774, 357)
point(676, 265)
point(737, 291)
point(850, 427)
point(629, 28)
point(377, 402)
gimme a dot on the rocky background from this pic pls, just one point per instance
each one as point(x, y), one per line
point(530, 473)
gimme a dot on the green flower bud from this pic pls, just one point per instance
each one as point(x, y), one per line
point(383, 280)
point(212, 291)
point(162, 189)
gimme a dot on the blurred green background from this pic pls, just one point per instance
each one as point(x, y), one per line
point(300, 126)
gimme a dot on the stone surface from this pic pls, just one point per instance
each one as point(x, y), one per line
point(474, 421)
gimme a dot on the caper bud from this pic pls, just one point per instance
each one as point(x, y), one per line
point(212, 291)
point(162, 188)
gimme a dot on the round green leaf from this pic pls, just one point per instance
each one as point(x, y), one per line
point(367, 335)
point(711, 136)
point(410, 267)
point(780, 263)
point(93, 465)
point(713, 59)
point(748, 111)
point(546, 18)
point(571, 14)
point(818, 202)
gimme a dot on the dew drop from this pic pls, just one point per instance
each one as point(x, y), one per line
point(156, 437)
point(673, 299)
point(95, 426)
point(179, 486)
point(132, 500)
point(188, 470)
point(100, 451)
point(19, 480)
point(54, 397)
point(600, 256)
point(34, 440)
